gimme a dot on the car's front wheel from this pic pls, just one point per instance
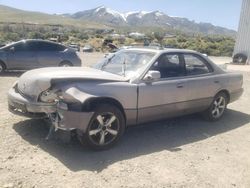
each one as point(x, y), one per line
point(217, 107)
point(2, 67)
point(106, 127)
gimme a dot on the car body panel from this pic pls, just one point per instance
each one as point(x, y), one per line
point(38, 80)
point(49, 59)
point(154, 99)
point(18, 60)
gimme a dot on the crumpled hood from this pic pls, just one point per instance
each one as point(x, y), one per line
point(33, 82)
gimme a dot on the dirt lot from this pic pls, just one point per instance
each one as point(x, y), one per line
point(181, 152)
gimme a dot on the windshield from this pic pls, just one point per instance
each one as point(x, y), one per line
point(125, 63)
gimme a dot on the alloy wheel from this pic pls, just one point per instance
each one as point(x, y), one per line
point(219, 106)
point(104, 129)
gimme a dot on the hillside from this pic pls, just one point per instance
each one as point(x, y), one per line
point(8, 14)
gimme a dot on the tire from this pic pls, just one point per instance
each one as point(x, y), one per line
point(240, 58)
point(101, 134)
point(65, 64)
point(217, 107)
point(2, 67)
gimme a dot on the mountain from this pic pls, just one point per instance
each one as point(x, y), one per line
point(103, 17)
point(114, 18)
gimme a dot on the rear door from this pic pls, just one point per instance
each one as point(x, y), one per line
point(49, 54)
point(164, 97)
point(22, 56)
point(201, 83)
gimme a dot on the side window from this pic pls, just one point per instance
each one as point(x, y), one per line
point(46, 46)
point(169, 65)
point(195, 65)
point(32, 46)
point(61, 48)
point(43, 46)
point(56, 47)
point(21, 46)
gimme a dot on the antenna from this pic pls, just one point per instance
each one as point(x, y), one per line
point(124, 67)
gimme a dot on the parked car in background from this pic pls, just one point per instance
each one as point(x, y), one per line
point(132, 86)
point(88, 48)
point(76, 47)
point(30, 54)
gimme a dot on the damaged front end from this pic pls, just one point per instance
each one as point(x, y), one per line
point(69, 119)
point(70, 113)
point(63, 107)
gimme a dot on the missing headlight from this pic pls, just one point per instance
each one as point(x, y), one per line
point(48, 96)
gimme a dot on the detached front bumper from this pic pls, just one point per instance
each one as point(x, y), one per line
point(65, 119)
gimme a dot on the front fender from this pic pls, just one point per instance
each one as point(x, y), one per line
point(73, 94)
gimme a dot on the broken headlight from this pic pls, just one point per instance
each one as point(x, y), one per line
point(48, 96)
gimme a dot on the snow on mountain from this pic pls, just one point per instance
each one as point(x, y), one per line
point(114, 18)
point(103, 11)
point(110, 11)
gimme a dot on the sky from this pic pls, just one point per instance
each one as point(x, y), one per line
point(223, 13)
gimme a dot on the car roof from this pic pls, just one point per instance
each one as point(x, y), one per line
point(32, 40)
point(160, 50)
point(35, 40)
point(38, 40)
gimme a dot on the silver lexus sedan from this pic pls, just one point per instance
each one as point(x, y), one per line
point(30, 54)
point(130, 87)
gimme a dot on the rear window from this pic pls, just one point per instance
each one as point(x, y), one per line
point(196, 65)
point(47, 46)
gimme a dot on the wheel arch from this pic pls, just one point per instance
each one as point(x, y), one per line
point(3, 63)
point(65, 62)
point(226, 92)
point(92, 103)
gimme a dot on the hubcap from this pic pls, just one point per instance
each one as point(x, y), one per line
point(1, 68)
point(104, 129)
point(219, 106)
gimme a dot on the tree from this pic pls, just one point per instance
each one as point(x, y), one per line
point(159, 36)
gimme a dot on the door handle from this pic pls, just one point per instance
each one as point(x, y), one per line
point(180, 85)
point(216, 81)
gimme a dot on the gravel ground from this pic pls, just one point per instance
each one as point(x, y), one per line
point(180, 152)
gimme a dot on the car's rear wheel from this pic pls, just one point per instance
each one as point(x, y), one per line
point(217, 107)
point(106, 127)
point(2, 67)
point(65, 64)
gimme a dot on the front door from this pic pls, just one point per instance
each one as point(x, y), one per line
point(164, 97)
point(22, 56)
